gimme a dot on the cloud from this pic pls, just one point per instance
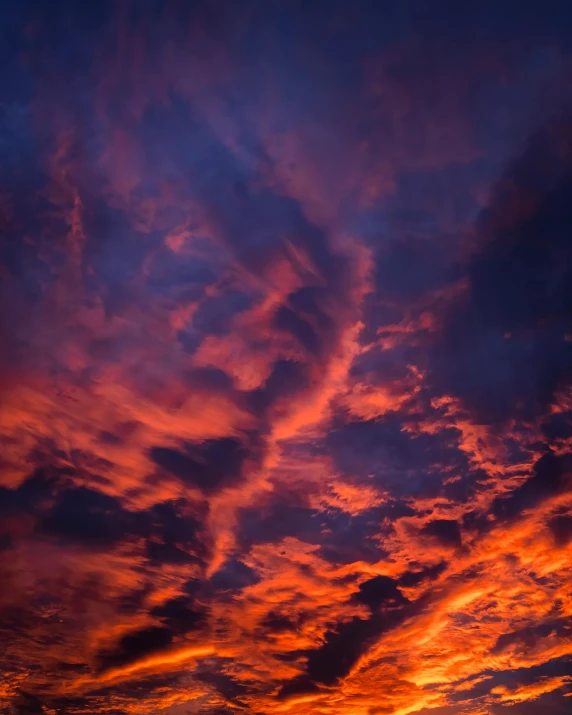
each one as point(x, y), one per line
point(210, 465)
point(179, 614)
point(234, 575)
point(379, 590)
point(445, 530)
point(88, 517)
point(136, 645)
point(285, 334)
point(504, 348)
point(549, 478)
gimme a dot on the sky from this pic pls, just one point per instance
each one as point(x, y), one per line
point(285, 357)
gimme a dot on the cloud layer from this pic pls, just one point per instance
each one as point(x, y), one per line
point(285, 358)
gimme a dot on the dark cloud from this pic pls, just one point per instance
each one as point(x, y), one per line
point(286, 379)
point(87, 517)
point(505, 350)
point(73, 667)
point(214, 314)
point(287, 320)
point(192, 587)
point(84, 516)
point(27, 704)
point(209, 466)
point(342, 538)
point(230, 688)
point(234, 576)
point(66, 705)
point(133, 601)
point(561, 527)
point(305, 317)
point(413, 265)
point(180, 614)
point(404, 463)
point(282, 520)
point(311, 301)
point(110, 438)
point(410, 579)
point(446, 530)
point(153, 156)
point(277, 623)
point(33, 493)
point(189, 340)
point(120, 434)
point(558, 426)
point(519, 677)
point(136, 645)
point(528, 637)
point(209, 378)
point(183, 277)
point(347, 642)
point(159, 552)
point(172, 534)
point(549, 478)
point(255, 222)
point(379, 367)
point(341, 649)
point(552, 703)
point(301, 685)
point(380, 591)
point(135, 689)
point(6, 542)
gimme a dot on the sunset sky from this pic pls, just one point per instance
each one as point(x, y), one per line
point(286, 357)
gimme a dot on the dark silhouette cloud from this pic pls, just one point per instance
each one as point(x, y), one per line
point(550, 477)
point(88, 517)
point(209, 466)
point(136, 645)
point(527, 637)
point(446, 530)
point(172, 535)
point(505, 349)
point(414, 578)
point(180, 614)
point(380, 591)
point(561, 527)
point(234, 576)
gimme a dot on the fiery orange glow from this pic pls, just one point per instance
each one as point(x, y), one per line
point(285, 358)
